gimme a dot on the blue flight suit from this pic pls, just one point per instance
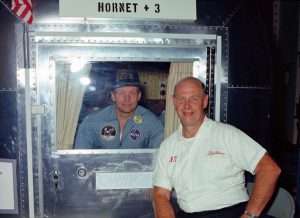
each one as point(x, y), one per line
point(101, 130)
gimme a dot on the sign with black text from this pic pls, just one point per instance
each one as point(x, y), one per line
point(131, 9)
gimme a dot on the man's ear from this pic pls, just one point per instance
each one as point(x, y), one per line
point(173, 99)
point(139, 95)
point(112, 94)
point(205, 101)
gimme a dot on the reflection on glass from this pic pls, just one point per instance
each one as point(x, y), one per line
point(119, 107)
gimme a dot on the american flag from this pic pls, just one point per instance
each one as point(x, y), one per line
point(23, 10)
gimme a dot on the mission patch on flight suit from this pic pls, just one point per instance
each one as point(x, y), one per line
point(108, 133)
point(135, 134)
point(138, 119)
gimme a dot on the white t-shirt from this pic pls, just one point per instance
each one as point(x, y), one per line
point(207, 171)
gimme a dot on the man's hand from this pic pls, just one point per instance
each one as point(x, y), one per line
point(161, 203)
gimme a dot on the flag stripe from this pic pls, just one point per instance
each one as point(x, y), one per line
point(20, 10)
point(23, 10)
point(27, 17)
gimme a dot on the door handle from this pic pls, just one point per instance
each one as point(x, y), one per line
point(56, 174)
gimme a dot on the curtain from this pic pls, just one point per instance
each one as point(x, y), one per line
point(69, 96)
point(177, 72)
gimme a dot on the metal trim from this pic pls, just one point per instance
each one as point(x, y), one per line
point(218, 75)
point(28, 124)
point(105, 151)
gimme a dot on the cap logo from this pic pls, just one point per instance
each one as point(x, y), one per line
point(108, 133)
point(125, 76)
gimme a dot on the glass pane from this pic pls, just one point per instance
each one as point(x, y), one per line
point(121, 105)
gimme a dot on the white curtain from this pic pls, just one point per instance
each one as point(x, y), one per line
point(177, 72)
point(69, 96)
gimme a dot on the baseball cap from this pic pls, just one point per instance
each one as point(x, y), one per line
point(126, 77)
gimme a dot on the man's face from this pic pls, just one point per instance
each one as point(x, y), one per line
point(190, 101)
point(126, 98)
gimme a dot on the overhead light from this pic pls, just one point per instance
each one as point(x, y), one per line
point(92, 88)
point(85, 80)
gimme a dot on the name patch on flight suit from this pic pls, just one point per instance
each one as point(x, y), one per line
point(135, 133)
point(108, 133)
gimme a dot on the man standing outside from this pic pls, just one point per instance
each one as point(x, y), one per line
point(124, 124)
point(204, 162)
